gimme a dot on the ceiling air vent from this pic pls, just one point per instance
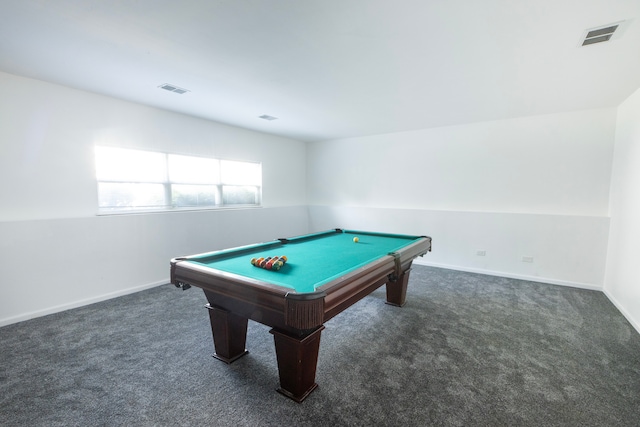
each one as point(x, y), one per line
point(267, 117)
point(602, 34)
point(173, 88)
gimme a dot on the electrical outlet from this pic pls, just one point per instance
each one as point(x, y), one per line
point(527, 259)
point(481, 253)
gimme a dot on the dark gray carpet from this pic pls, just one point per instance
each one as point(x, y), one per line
point(466, 350)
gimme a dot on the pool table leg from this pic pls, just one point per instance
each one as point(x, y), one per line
point(397, 289)
point(297, 361)
point(229, 334)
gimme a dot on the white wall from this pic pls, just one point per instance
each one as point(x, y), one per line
point(535, 187)
point(622, 284)
point(565, 249)
point(48, 135)
point(55, 253)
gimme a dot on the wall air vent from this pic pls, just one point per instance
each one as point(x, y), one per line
point(602, 34)
point(173, 88)
point(267, 117)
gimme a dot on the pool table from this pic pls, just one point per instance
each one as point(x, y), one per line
point(325, 273)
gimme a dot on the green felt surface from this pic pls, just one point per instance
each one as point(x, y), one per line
point(312, 261)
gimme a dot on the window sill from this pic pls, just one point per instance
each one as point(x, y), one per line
point(134, 211)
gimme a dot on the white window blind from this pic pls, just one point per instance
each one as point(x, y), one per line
point(135, 180)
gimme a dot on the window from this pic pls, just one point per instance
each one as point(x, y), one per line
point(238, 182)
point(134, 180)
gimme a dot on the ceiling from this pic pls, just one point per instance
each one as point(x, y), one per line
point(331, 69)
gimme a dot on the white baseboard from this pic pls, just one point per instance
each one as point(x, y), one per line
point(76, 304)
point(621, 309)
point(80, 303)
point(550, 281)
